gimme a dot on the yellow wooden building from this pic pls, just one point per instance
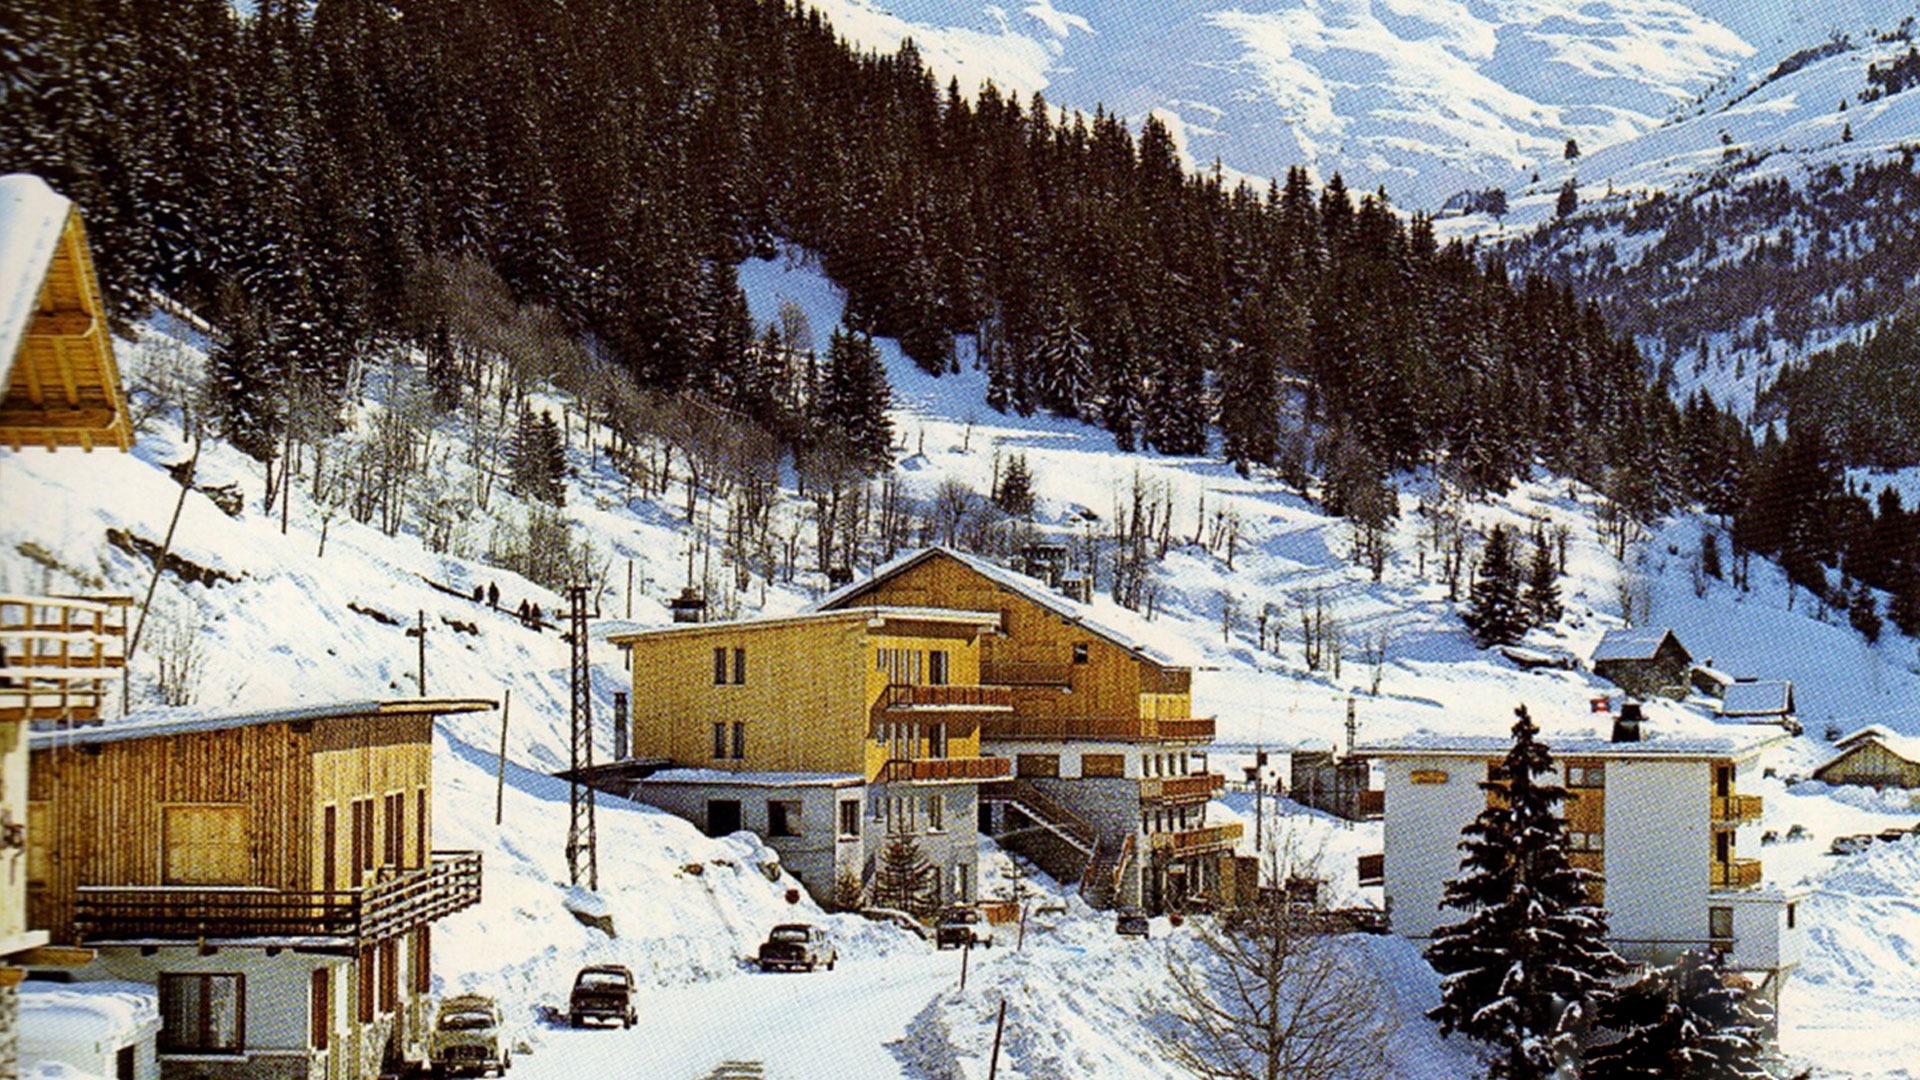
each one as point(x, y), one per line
point(272, 874)
point(825, 733)
point(1111, 780)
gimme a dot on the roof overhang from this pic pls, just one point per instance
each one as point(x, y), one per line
point(183, 722)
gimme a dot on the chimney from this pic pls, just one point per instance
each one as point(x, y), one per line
point(1626, 728)
point(689, 606)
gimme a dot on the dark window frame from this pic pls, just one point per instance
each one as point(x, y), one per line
point(739, 740)
point(739, 667)
point(783, 817)
point(172, 1042)
point(719, 665)
point(719, 740)
point(849, 825)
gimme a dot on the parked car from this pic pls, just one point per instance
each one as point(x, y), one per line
point(1847, 845)
point(602, 992)
point(1797, 831)
point(1892, 834)
point(961, 926)
point(797, 945)
point(468, 1038)
point(1133, 923)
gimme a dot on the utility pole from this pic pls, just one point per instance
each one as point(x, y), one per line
point(583, 846)
point(500, 770)
point(420, 631)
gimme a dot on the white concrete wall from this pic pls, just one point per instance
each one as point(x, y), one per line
point(278, 988)
point(1422, 836)
point(1658, 849)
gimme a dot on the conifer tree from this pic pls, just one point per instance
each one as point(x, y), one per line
point(1543, 585)
point(1015, 493)
point(905, 880)
point(1526, 967)
point(536, 459)
point(856, 398)
point(1684, 1022)
point(1495, 613)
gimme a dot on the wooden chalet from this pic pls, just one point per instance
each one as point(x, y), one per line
point(59, 655)
point(272, 874)
point(62, 385)
point(1643, 661)
point(1874, 756)
point(1110, 786)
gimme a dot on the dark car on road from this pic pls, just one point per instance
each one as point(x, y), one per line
point(602, 992)
point(797, 945)
point(962, 926)
point(1132, 924)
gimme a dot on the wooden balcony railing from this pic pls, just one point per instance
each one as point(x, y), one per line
point(1193, 841)
point(1180, 788)
point(59, 655)
point(944, 770)
point(448, 883)
point(1736, 874)
point(1025, 673)
point(1098, 728)
point(1733, 809)
point(913, 697)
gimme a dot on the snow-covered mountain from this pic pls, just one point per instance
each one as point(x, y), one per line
point(1425, 97)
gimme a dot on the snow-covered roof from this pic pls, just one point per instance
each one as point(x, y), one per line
point(1735, 743)
point(1905, 746)
point(626, 632)
point(180, 721)
point(1110, 621)
point(1773, 697)
point(1631, 643)
point(1714, 675)
point(32, 217)
point(105, 1012)
point(754, 779)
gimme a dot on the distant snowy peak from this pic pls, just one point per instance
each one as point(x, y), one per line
point(1426, 97)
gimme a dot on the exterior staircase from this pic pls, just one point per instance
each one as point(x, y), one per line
point(1055, 838)
point(1106, 871)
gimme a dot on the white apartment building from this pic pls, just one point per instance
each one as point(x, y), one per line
point(1661, 818)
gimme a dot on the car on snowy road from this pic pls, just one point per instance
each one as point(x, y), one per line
point(1848, 845)
point(961, 926)
point(1132, 923)
point(467, 1038)
point(801, 946)
point(602, 992)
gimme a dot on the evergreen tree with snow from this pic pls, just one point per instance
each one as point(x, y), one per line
point(856, 398)
point(1543, 585)
point(536, 459)
point(1495, 613)
point(1684, 1022)
point(1015, 493)
point(905, 880)
point(1527, 966)
point(1569, 199)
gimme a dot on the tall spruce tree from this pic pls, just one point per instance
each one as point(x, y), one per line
point(1494, 612)
point(1526, 968)
point(905, 880)
point(1543, 584)
point(536, 459)
point(855, 398)
point(1684, 1022)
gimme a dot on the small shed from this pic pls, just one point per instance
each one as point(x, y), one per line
point(62, 387)
point(104, 1028)
point(1875, 756)
point(1758, 701)
point(1642, 660)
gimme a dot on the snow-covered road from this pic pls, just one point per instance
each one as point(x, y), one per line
point(790, 1026)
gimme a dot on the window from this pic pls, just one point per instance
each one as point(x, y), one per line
point(321, 1004)
point(719, 741)
point(739, 740)
point(783, 817)
point(723, 817)
point(206, 845)
point(937, 667)
point(739, 666)
point(124, 1067)
point(393, 848)
point(1792, 915)
point(1043, 765)
point(202, 1014)
point(1103, 765)
point(720, 666)
point(936, 814)
point(422, 848)
point(1584, 841)
point(849, 818)
point(1079, 652)
point(961, 882)
point(1586, 776)
point(39, 829)
point(1720, 923)
point(936, 740)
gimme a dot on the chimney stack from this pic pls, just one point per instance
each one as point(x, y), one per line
point(689, 606)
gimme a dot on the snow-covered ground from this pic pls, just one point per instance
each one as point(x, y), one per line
point(688, 908)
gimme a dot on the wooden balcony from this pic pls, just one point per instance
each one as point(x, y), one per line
point(914, 697)
point(388, 907)
point(1736, 874)
point(1195, 841)
point(1735, 809)
point(1175, 789)
point(1025, 673)
point(60, 655)
point(1097, 729)
point(960, 770)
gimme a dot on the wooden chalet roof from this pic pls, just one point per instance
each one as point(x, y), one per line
point(1905, 747)
point(62, 385)
point(182, 721)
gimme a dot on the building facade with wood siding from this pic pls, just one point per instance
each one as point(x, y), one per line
point(827, 734)
point(1662, 820)
point(59, 387)
point(272, 874)
point(1111, 783)
point(1875, 756)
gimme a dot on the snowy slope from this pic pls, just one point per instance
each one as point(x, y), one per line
point(284, 632)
